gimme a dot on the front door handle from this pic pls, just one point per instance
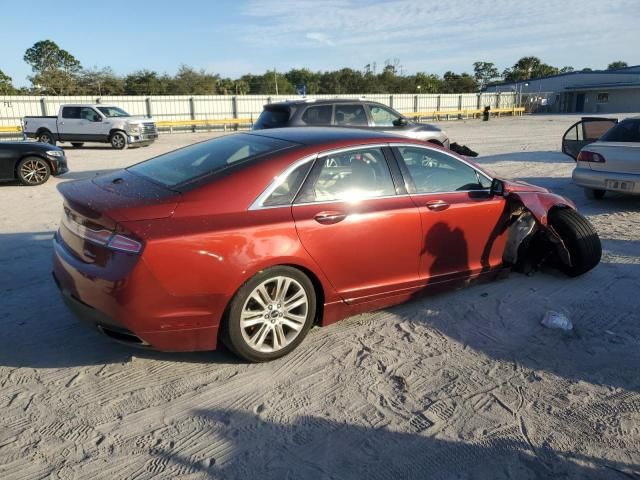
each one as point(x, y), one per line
point(437, 205)
point(329, 217)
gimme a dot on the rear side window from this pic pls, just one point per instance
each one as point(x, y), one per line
point(70, 112)
point(625, 131)
point(318, 115)
point(351, 115)
point(195, 161)
point(288, 187)
point(272, 118)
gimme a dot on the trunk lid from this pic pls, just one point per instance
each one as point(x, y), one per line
point(620, 157)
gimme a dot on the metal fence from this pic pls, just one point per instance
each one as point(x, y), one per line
point(247, 107)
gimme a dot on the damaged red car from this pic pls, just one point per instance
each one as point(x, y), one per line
point(252, 238)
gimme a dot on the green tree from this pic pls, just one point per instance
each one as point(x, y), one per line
point(617, 64)
point(484, 72)
point(54, 68)
point(146, 82)
point(304, 76)
point(6, 87)
point(191, 82)
point(455, 83)
point(100, 82)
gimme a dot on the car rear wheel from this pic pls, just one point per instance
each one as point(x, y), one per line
point(33, 171)
point(270, 315)
point(77, 144)
point(594, 193)
point(580, 239)
point(118, 140)
point(45, 136)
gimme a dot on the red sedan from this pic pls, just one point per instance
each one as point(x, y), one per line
point(252, 238)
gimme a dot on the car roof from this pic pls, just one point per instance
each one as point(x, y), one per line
point(320, 135)
point(322, 101)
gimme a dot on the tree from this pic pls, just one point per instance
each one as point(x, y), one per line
point(6, 87)
point(191, 82)
point(454, 83)
point(54, 68)
point(617, 64)
point(100, 82)
point(146, 82)
point(484, 72)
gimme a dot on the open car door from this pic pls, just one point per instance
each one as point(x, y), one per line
point(584, 132)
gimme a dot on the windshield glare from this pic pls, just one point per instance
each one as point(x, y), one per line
point(113, 112)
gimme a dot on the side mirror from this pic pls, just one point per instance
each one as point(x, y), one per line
point(400, 122)
point(97, 119)
point(497, 188)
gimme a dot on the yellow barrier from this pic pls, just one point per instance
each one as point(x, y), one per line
point(247, 121)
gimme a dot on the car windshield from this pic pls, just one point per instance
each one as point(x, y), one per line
point(195, 161)
point(113, 112)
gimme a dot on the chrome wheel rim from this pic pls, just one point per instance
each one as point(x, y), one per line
point(274, 314)
point(33, 171)
point(45, 138)
point(117, 141)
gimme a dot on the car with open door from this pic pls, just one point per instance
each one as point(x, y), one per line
point(612, 163)
point(252, 238)
point(584, 132)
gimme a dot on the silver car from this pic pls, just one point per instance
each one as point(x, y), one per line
point(612, 163)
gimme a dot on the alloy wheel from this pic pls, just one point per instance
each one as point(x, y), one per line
point(274, 314)
point(34, 171)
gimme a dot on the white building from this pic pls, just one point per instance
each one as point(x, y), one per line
point(602, 91)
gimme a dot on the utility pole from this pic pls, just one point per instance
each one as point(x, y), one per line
point(275, 78)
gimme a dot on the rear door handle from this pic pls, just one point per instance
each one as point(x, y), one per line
point(437, 205)
point(329, 217)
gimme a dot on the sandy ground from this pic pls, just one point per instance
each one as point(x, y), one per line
point(466, 384)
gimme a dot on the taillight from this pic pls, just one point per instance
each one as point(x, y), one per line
point(103, 237)
point(586, 156)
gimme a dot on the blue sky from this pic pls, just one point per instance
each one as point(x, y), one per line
point(236, 37)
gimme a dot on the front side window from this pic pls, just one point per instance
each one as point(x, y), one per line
point(195, 161)
point(351, 115)
point(382, 117)
point(318, 115)
point(436, 172)
point(89, 114)
point(351, 176)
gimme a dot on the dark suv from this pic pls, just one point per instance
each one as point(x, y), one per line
point(346, 113)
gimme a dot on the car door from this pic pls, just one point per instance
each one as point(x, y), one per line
point(584, 132)
point(8, 160)
point(462, 224)
point(358, 224)
point(70, 123)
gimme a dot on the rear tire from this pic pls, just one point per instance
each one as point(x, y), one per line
point(118, 140)
point(77, 144)
point(580, 238)
point(33, 171)
point(270, 315)
point(45, 136)
point(594, 193)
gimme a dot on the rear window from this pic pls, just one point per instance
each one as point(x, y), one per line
point(272, 118)
point(625, 131)
point(195, 161)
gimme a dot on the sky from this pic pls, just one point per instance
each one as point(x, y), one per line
point(232, 38)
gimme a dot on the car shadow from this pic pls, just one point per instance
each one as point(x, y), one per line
point(309, 447)
point(39, 331)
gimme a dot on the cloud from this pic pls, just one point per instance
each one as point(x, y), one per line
point(320, 37)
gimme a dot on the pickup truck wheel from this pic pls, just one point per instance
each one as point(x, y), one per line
point(77, 144)
point(118, 141)
point(33, 171)
point(580, 239)
point(45, 136)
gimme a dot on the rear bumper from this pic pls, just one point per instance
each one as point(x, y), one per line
point(132, 310)
point(597, 180)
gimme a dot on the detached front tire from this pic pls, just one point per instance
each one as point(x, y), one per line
point(270, 315)
point(118, 140)
point(580, 239)
point(33, 171)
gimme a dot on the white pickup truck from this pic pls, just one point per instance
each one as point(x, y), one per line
point(91, 123)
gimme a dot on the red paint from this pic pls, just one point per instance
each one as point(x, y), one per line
point(200, 246)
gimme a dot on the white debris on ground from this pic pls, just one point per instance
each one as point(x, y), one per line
point(460, 385)
point(556, 320)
